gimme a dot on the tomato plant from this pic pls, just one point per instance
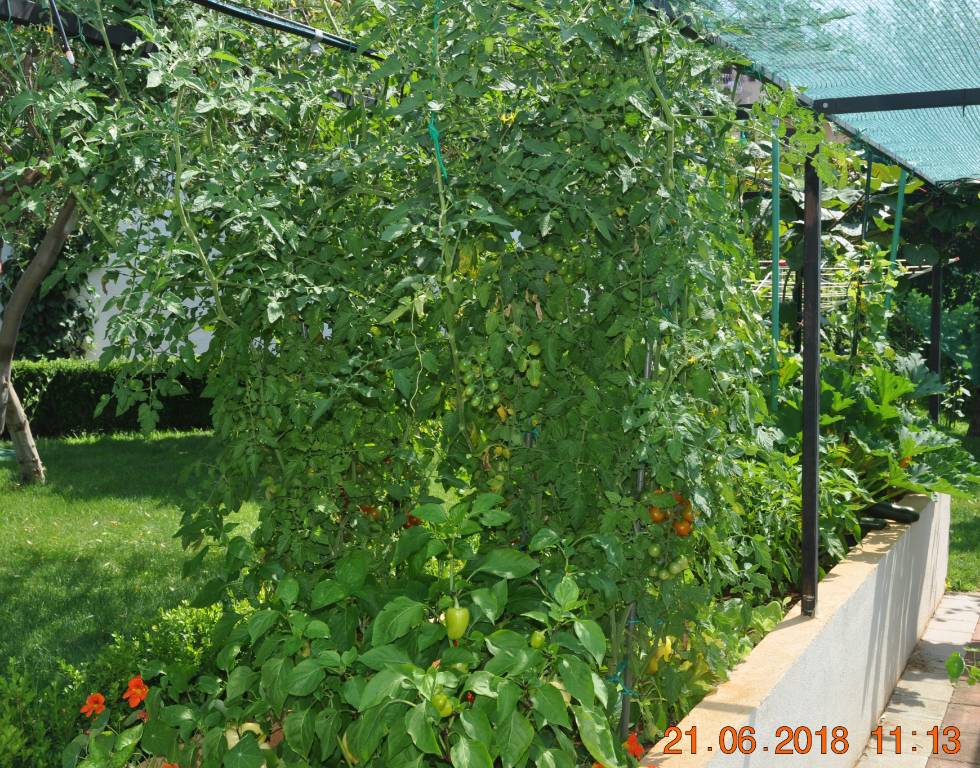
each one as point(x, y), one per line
point(486, 353)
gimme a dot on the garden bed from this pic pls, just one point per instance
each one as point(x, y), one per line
point(836, 669)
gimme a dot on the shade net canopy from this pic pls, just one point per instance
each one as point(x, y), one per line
point(849, 48)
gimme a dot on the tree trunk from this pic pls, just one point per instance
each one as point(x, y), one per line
point(25, 449)
point(28, 285)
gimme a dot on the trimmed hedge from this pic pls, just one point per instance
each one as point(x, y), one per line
point(61, 397)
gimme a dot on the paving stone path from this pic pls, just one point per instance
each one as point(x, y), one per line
point(924, 697)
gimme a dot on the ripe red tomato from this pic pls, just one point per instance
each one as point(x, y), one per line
point(370, 511)
point(682, 528)
point(657, 515)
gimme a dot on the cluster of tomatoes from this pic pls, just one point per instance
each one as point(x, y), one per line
point(681, 514)
point(372, 512)
point(480, 388)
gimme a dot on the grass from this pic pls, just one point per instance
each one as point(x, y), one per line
point(964, 536)
point(92, 552)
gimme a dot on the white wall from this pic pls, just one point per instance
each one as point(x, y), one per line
point(839, 667)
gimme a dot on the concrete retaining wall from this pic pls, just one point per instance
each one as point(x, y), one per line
point(837, 668)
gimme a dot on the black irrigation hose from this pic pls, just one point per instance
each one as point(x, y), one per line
point(271, 21)
point(886, 511)
point(873, 524)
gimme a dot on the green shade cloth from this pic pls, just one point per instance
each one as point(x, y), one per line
point(842, 48)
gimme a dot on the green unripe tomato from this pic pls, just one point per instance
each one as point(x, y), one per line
point(678, 567)
point(457, 620)
point(651, 731)
point(664, 574)
point(469, 390)
point(534, 373)
point(493, 386)
point(655, 551)
point(537, 639)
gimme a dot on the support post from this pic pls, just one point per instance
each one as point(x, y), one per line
point(897, 232)
point(936, 335)
point(811, 387)
point(776, 179)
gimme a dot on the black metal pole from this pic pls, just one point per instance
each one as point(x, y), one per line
point(811, 386)
point(59, 25)
point(936, 335)
point(798, 303)
point(280, 24)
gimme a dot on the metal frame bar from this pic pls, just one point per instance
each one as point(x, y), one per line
point(936, 335)
point(26, 13)
point(888, 102)
point(810, 507)
point(281, 24)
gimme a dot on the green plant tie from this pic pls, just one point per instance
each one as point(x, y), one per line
point(435, 29)
point(434, 133)
point(433, 125)
point(618, 680)
point(629, 13)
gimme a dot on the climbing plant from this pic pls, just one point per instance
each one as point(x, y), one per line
point(484, 352)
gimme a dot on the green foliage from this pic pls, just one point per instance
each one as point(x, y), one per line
point(36, 717)
point(957, 668)
point(39, 716)
point(483, 335)
point(65, 397)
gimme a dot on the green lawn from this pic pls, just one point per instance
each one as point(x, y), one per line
point(92, 552)
point(964, 538)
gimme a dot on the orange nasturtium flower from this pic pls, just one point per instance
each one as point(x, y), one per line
point(136, 691)
point(94, 705)
point(633, 746)
point(170, 765)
